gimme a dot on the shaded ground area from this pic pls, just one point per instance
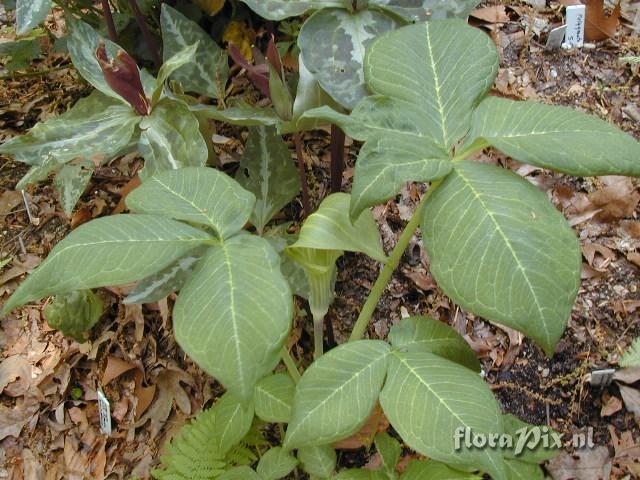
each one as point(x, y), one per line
point(49, 424)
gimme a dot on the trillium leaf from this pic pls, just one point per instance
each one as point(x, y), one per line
point(419, 470)
point(274, 397)
point(500, 249)
point(428, 398)
point(338, 65)
point(109, 251)
point(30, 14)
point(95, 126)
point(168, 280)
point(71, 182)
point(329, 228)
point(558, 138)
point(179, 59)
point(74, 313)
point(276, 463)
point(424, 334)
point(240, 115)
point(422, 10)
point(208, 74)
point(281, 9)
point(200, 195)
point(171, 139)
point(318, 461)
point(266, 170)
point(234, 313)
point(336, 395)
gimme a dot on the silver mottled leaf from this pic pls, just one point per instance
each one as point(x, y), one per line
point(30, 13)
point(421, 10)
point(71, 181)
point(280, 9)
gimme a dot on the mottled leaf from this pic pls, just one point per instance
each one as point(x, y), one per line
point(424, 334)
point(558, 138)
point(208, 73)
point(109, 251)
point(273, 398)
point(200, 195)
point(276, 463)
point(240, 115)
point(171, 139)
point(239, 280)
point(95, 126)
point(266, 170)
point(318, 461)
point(280, 9)
point(71, 182)
point(421, 10)
point(30, 13)
point(171, 64)
point(500, 249)
point(338, 64)
point(337, 393)
point(74, 313)
point(428, 398)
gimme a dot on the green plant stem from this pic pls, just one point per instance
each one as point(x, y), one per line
point(288, 361)
point(379, 287)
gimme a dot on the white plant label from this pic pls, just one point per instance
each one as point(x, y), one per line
point(105, 413)
point(576, 15)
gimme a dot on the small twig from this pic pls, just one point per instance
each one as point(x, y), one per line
point(32, 220)
point(146, 33)
point(108, 17)
point(302, 170)
point(22, 247)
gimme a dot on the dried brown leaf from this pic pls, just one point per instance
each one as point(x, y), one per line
point(599, 26)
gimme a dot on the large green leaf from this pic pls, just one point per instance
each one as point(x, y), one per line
point(30, 13)
point(422, 10)
point(523, 471)
point(208, 74)
point(200, 195)
point(95, 126)
point(280, 9)
point(234, 313)
point(428, 398)
point(420, 470)
point(71, 182)
point(329, 228)
point(336, 395)
point(171, 138)
point(532, 443)
point(424, 334)
point(390, 450)
point(240, 473)
point(109, 251)
point(266, 170)
point(558, 138)
point(74, 313)
point(319, 461)
point(500, 249)
point(274, 397)
point(82, 43)
point(338, 64)
point(276, 463)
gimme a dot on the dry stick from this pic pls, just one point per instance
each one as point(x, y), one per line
point(306, 204)
point(108, 17)
point(337, 158)
point(146, 33)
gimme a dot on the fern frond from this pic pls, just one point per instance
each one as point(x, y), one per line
point(631, 357)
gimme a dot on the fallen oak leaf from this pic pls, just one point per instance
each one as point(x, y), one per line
point(631, 398)
point(598, 25)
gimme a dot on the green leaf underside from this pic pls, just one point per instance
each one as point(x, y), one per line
point(424, 334)
point(234, 313)
point(208, 74)
point(390, 450)
point(171, 139)
point(420, 470)
point(71, 182)
point(523, 471)
point(338, 64)
point(500, 249)
point(274, 397)
point(427, 398)
point(329, 228)
point(558, 138)
point(319, 461)
point(337, 394)
point(95, 126)
point(74, 313)
point(266, 170)
point(168, 280)
point(276, 463)
point(30, 13)
point(200, 195)
point(109, 251)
